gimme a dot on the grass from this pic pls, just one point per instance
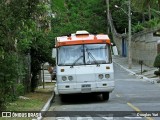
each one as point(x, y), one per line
point(33, 102)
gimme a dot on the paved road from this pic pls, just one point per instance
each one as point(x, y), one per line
point(130, 95)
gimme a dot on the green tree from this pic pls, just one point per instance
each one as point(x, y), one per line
point(20, 36)
point(146, 6)
point(37, 38)
point(120, 19)
point(142, 11)
point(11, 71)
point(142, 6)
point(79, 15)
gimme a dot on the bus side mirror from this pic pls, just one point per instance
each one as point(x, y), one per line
point(54, 53)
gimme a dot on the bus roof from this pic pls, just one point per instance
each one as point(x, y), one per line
point(82, 37)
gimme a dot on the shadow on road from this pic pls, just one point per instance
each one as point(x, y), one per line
point(80, 99)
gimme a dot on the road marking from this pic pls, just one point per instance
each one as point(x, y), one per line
point(130, 118)
point(84, 118)
point(108, 118)
point(62, 118)
point(138, 110)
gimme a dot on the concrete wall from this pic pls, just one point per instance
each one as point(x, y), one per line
point(144, 44)
point(144, 47)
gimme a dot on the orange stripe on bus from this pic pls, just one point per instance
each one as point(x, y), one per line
point(79, 42)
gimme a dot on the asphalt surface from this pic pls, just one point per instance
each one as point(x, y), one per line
point(132, 99)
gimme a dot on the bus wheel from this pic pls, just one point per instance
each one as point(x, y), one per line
point(105, 96)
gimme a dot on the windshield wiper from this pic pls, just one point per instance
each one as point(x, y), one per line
point(76, 60)
point(90, 54)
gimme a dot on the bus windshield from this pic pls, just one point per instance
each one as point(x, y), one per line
point(87, 54)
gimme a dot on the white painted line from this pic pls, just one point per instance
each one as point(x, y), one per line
point(132, 118)
point(62, 118)
point(108, 118)
point(84, 118)
point(133, 73)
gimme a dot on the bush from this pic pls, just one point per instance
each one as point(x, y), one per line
point(138, 28)
point(157, 73)
point(157, 61)
point(20, 89)
point(153, 23)
point(157, 64)
point(148, 24)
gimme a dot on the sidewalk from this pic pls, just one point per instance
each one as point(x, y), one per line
point(48, 103)
point(147, 72)
point(47, 79)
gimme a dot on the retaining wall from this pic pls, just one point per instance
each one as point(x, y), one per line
point(144, 44)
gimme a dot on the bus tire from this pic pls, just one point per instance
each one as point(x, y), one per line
point(105, 96)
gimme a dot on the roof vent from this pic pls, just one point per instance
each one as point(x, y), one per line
point(83, 32)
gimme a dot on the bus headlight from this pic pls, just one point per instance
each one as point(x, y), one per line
point(107, 75)
point(100, 76)
point(64, 78)
point(70, 78)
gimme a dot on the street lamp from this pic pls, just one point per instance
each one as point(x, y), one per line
point(129, 33)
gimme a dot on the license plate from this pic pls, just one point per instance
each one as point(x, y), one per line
point(86, 88)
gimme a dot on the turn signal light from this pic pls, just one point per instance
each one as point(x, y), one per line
point(62, 70)
point(107, 67)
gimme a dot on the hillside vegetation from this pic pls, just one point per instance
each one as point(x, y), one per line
point(145, 14)
point(73, 15)
point(91, 15)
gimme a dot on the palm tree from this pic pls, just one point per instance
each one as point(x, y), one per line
point(144, 5)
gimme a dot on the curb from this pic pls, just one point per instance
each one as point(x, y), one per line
point(133, 73)
point(46, 106)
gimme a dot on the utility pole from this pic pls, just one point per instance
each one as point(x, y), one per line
point(129, 33)
point(107, 1)
point(129, 36)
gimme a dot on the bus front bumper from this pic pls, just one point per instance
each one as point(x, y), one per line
point(75, 88)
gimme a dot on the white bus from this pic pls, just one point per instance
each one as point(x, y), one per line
point(84, 64)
